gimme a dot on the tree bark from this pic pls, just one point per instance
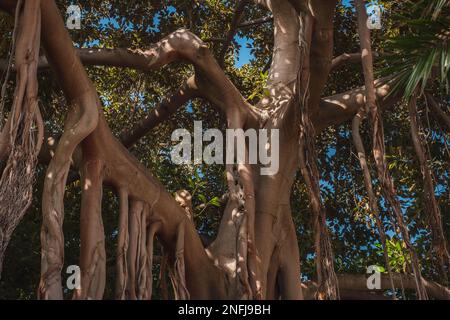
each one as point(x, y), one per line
point(255, 254)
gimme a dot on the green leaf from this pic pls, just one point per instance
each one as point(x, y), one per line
point(215, 201)
point(202, 198)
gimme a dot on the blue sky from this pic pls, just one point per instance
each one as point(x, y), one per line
point(244, 56)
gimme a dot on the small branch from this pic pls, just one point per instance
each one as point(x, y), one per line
point(237, 17)
point(343, 106)
point(352, 283)
point(159, 114)
point(373, 202)
point(255, 22)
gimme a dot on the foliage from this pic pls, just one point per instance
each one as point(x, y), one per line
point(127, 95)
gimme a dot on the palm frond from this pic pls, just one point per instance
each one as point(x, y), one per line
point(420, 52)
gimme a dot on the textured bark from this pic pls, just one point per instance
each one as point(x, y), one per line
point(387, 184)
point(255, 254)
point(373, 202)
point(19, 144)
point(432, 207)
point(81, 120)
point(354, 287)
point(311, 78)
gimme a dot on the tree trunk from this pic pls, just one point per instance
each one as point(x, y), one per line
point(256, 253)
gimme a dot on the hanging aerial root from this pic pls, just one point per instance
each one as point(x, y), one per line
point(81, 120)
point(328, 284)
point(142, 262)
point(241, 183)
point(236, 204)
point(245, 175)
point(16, 182)
point(134, 246)
point(177, 273)
point(434, 213)
point(152, 229)
point(378, 148)
point(92, 235)
point(8, 73)
point(137, 230)
point(234, 249)
point(242, 269)
point(122, 246)
point(373, 205)
point(162, 275)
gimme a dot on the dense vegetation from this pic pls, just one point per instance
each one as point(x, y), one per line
point(411, 43)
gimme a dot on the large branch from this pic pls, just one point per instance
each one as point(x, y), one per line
point(333, 109)
point(286, 52)
point(342, 107)
point(211, 82)
point(321, 50)
point(128, 136)
point(118, 57)
point(350, 285)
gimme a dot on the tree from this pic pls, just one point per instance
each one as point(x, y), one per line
point(255, 253)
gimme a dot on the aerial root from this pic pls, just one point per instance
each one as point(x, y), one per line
point(17, 178)
point(142, 274)
point(134, 247)
point(152, 229)
point(137, 230)
point(177, 273)
point(378, 146)
point(373, 205)
point(122, 246)
point(431, 204)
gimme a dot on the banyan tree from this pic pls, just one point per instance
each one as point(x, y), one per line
point(253, 252)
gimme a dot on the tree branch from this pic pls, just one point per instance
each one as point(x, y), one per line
point(286, 55)
point(255, 22)
point(342, 107)
point(160, 113)
point(351, 283)
point(237, 17)
point(321, 50)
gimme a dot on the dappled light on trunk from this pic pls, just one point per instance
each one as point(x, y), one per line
point(255, 253)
